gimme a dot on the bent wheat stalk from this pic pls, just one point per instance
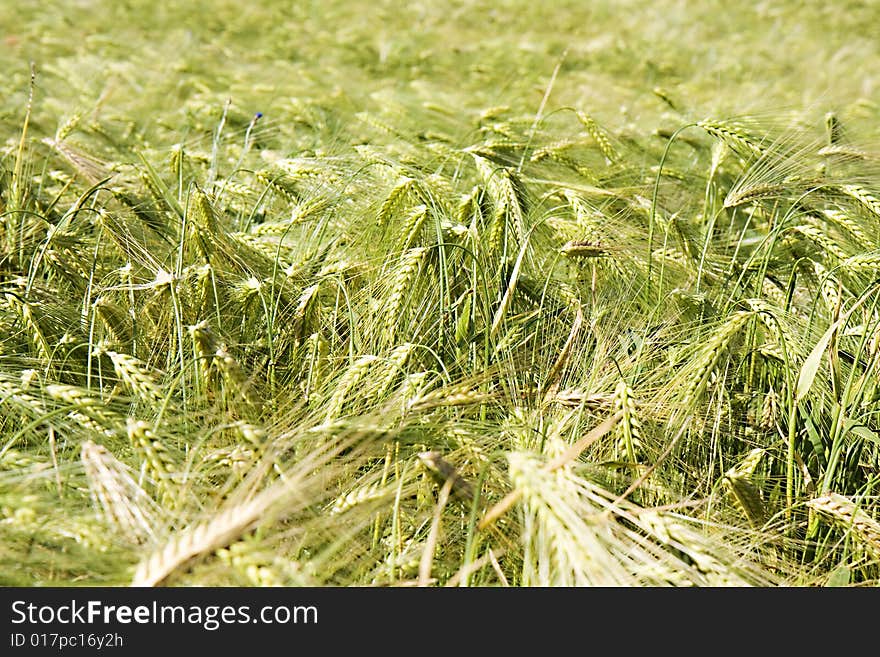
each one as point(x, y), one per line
point(566, 457)
point(206, 537)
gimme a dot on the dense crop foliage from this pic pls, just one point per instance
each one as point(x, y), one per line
point(491, 295)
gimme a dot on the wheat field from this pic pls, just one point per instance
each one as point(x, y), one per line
point(399, 294)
